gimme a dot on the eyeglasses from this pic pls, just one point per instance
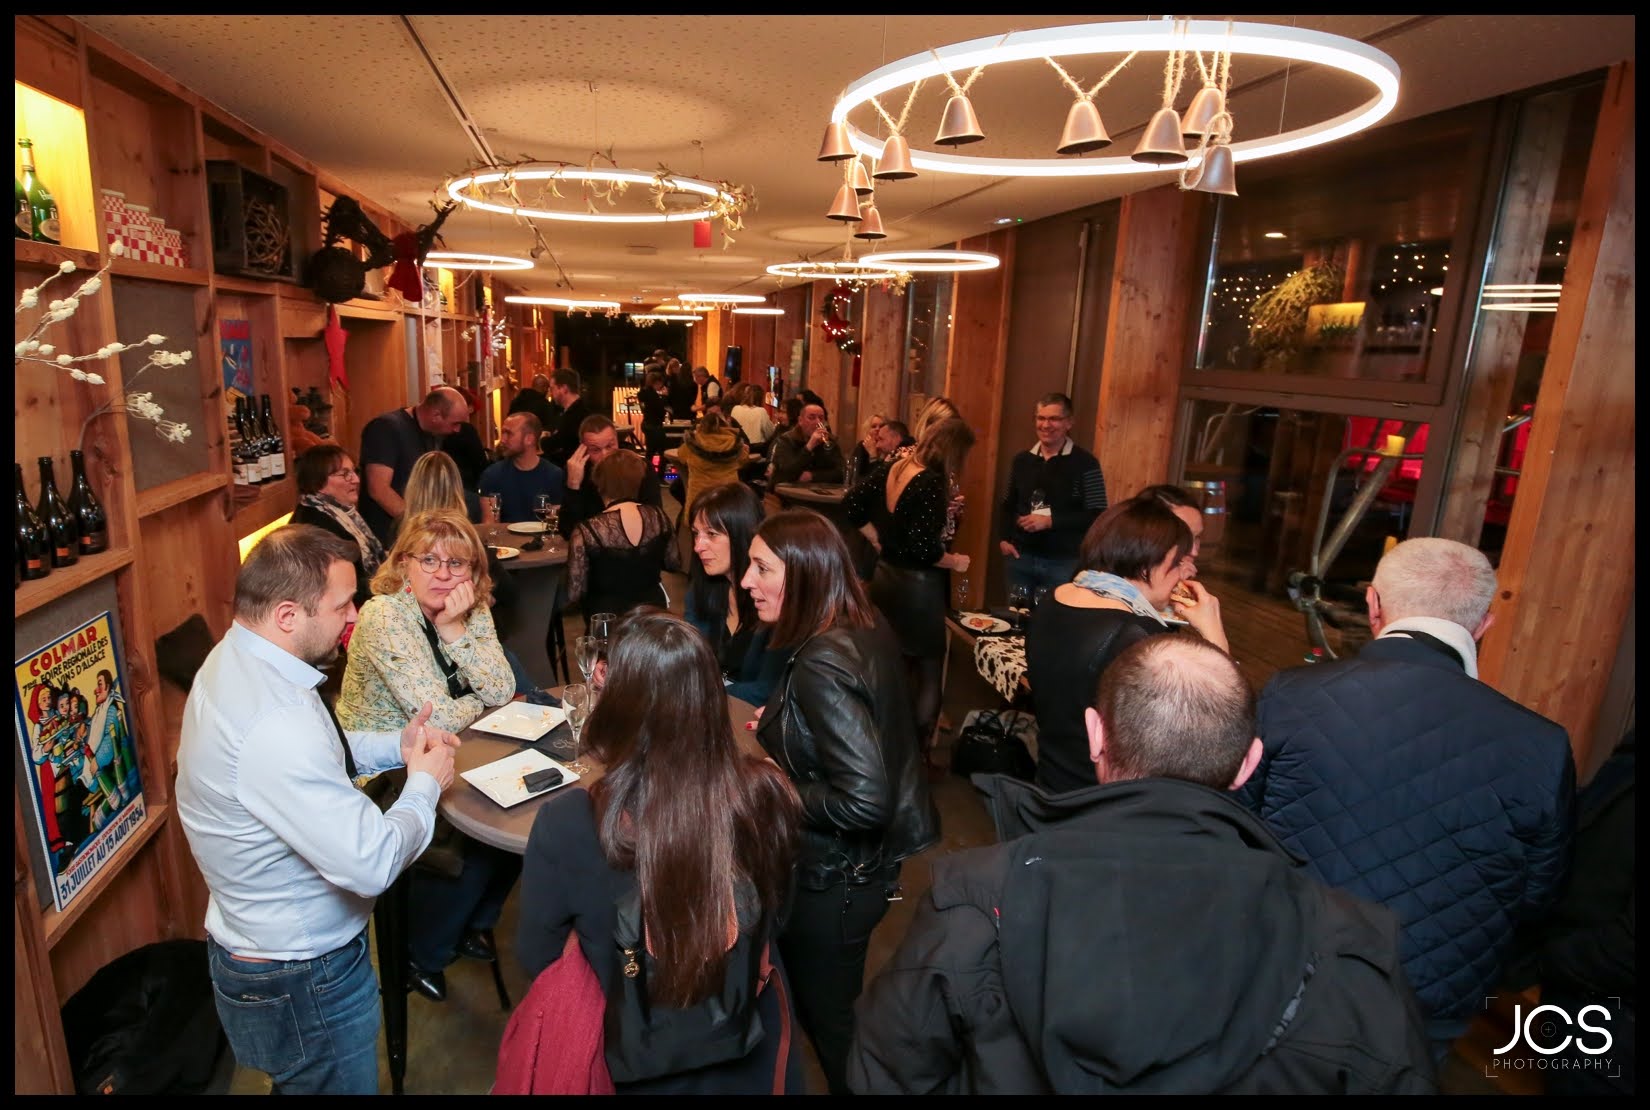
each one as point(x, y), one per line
point(345, 473)
point(458, 568)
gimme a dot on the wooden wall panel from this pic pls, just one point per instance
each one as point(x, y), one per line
point(1147, 329)
point(797, 303)
point(883, 357)
point(1566, 570)
point(827, 368)
point(974, 381)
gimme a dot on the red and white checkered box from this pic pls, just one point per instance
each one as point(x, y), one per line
point(115, 215)
point(172, 250)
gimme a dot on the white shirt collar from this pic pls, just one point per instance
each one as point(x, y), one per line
point(293, 669)
point(1037, 448)
point(1448, 631)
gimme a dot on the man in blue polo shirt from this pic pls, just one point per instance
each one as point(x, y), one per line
point(522, 473)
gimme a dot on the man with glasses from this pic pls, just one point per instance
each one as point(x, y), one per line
point(598, 438)
point(1055, 491)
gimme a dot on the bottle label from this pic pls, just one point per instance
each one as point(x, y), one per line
point(279, 461)
point(25, 220)
point(64, 551)
point(93, 542)
point(49, 230)
point(243, 476)
point(34, 563)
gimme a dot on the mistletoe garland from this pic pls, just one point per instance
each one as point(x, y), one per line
point(835, 325)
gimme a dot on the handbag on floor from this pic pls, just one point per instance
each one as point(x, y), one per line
point(990, 744)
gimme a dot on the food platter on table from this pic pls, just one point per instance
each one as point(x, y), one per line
point(502, 553)
point(982, 622)
point(528, 527)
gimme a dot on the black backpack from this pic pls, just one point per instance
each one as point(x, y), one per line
point(645, 1041)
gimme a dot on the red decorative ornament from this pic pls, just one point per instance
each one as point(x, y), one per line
point(336, 337)
point(835, 325)
point(701, 233)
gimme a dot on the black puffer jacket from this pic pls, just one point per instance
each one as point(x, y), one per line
point(839, 724)
point(1146, 937)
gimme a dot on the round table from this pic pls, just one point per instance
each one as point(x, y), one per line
point(477, 815)
point(537, 577)
point(809, 494)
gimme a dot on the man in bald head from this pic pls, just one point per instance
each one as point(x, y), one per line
point(392, 442)
point(1145, 935)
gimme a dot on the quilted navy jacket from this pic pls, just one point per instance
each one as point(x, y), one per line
point(1398, 777)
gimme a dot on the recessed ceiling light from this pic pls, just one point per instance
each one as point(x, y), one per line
point(1008, 220)
point(1276, 235)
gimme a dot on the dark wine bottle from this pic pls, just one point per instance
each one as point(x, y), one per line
point(60, 523)
point(87, 510)
point(34, 559)
point(277, 446)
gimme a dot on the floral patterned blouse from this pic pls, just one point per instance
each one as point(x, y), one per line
point(392, 671)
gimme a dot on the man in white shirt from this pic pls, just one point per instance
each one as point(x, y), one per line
point(294, 856)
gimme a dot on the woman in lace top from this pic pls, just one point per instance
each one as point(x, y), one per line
point(615, 559)
point(906, 501)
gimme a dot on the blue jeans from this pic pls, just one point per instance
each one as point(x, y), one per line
point(311, 1024)
point(444, 907)
point(1040, 571)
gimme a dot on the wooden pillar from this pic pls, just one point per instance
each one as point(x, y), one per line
point(1147, 325)
point(883, 340)
point(826, 368)
point(974, 376)
point(1566, 570)
point(792, 326)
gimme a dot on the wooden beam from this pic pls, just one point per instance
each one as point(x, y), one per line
point(974, 379)
point(1147, 325)
point(1566, 571)
point(883, 338)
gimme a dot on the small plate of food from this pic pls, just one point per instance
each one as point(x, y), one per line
point(982, 622)
point(503, 553)
point(528, 527)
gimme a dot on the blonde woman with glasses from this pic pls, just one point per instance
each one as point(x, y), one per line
point(427, 635)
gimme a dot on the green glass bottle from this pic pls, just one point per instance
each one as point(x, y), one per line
point(42, 208)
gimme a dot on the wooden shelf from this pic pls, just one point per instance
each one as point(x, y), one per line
point(57, 922)
point(228, 283)
point(65, 580)
point(30, 253)
point(154, 271)
point(151, 501)
point(274, 500)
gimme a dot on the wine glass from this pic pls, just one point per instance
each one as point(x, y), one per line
point(586, 650)
point(961, 591)
point(575, 700)
point(1019, 602)
point(543, 507)
point(1039, 501)
point(601, 626)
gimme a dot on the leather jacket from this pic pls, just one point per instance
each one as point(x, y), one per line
point(839, 724)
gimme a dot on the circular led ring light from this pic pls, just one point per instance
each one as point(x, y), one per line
point(715, 197)
point(720, 298)
point(934, 262)
point(840, 271)
point(1247, 39)
point(465, 260)
point(567, 303)
point(759, 312)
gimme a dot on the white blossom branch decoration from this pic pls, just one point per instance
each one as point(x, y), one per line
point(31, 348)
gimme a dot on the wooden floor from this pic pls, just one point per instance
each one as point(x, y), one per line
point(1267, 634)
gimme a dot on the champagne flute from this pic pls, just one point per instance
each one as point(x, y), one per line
point(575, 700)
point(586, 650)
point(601, 626)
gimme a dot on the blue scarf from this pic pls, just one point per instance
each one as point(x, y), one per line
point(1106, 584)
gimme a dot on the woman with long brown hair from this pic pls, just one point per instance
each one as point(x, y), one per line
point(839, 724)
point(906, 502)
point(704, 833)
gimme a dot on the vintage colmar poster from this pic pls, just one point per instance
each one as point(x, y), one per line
point(76, 733)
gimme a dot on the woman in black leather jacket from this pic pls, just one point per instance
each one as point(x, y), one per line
point(839, 724)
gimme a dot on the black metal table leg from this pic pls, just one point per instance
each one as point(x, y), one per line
point(390, 928)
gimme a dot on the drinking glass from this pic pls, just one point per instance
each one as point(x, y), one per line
point(601, 626)
point(586, 650)
point(493, 503)
point(1019, 603)
point(1039, 500)
point(575, 699)
point(962, 591)
point(543, 507)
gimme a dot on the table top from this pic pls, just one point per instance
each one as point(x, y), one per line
point(552, 554)
point(476, 815)
point(818, 493)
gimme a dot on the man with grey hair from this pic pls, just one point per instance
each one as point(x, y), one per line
point(392, 442)
point(293, 855)
point(1145, 935)
point(1400, 777)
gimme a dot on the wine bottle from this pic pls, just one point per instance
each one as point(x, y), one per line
point(42, 208)
point(237, 447)
point(23, 222)
point(277, 446)
point(33, 544)
point(86, 509)
point(60, 523)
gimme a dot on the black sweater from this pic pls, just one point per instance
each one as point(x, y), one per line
point(1074, 489)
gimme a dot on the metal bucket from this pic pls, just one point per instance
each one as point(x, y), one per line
point(1210, 495)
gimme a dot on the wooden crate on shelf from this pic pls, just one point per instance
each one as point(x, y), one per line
point(251, 223)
